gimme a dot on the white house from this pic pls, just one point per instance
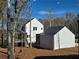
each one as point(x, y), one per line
point(57, 37)
point(36, 28)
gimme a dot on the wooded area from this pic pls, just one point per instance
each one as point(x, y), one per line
point(70, 21)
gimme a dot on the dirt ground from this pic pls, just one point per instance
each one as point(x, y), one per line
point(35, 53)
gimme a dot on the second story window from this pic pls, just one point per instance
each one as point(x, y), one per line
point(34, 28)
point(41, 28)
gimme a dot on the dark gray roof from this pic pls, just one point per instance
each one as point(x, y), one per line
point(53, 30)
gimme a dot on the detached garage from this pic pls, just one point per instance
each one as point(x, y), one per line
point(57, 37)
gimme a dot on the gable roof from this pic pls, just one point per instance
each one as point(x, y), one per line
point(31, 20)
point(26, 20)
point(53, 30)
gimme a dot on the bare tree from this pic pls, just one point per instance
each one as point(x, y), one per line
point(50, 13)
point(30, 16)
point(1, 3)
point(12, 23)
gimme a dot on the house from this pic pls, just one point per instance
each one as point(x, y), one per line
point(57, 37)
point(36, 28)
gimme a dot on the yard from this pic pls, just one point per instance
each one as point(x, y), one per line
point(35, 53)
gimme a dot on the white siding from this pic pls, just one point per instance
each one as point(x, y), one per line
point(66, 39)
point(34, 23)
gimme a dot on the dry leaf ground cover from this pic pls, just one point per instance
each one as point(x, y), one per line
point(35, 53)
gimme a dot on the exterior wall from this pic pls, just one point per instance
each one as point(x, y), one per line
point(40, 29)
point(64, 39)
point(46, 41)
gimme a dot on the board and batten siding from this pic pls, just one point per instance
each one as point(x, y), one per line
point(64, 39)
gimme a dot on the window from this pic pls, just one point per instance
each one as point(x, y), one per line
point(41, 28)
point(34, 28)
point(28, 36)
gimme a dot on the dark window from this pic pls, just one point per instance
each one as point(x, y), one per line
point(27, 36)
point(34, 28)
point(41, 28)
